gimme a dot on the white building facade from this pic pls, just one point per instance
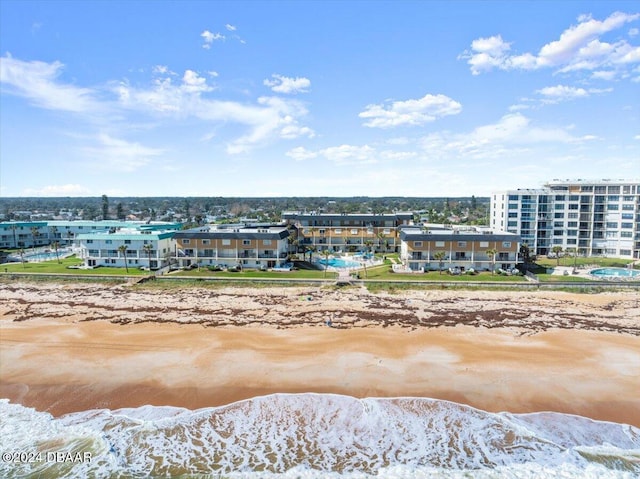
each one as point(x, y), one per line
point(592, 218)
point(131, 248)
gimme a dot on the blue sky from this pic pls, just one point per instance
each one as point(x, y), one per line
point(315, 98)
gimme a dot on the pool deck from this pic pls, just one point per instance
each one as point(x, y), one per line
point(586, 273)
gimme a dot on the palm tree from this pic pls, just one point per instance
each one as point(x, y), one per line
point(35, 233)
point(123, 249)
point(56, 245)
point(326, 261)
point(313, 230)
point(380, 237)
point(369, 243)
point(557, 250)
point(13, 228)
point(148, 248)
point(525, 253)
point(491, 253)
point(439, 255)
point(21, 252)
point(54, 233)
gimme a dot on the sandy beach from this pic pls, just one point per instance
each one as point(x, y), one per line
point(75, 346)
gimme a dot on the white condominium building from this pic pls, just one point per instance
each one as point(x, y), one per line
point(592, 217)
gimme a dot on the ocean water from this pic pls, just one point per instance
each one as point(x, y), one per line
point(314, 436)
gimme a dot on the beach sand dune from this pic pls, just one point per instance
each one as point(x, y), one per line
point(70, 347)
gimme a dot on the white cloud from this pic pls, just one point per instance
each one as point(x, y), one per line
point(558, 93)
point(119, 155)
point(209, 38)
point(510, 136)
point(633, 32)
point(410, 112)
point(230, 27)
point(37, 81)
point(301, 154)
point(282, 84)
point(578, 48)
point(637, 137)
point(58, 190)
point(162, 70)
point(194, 83)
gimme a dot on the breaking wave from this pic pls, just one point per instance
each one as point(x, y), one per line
point(316, 436)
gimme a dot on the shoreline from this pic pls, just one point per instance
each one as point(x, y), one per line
point(74, 347)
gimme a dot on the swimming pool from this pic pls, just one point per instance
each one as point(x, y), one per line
point(615, 273)
point(42, 256)
point(339, 263)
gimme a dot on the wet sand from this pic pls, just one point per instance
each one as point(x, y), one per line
point(71, 347)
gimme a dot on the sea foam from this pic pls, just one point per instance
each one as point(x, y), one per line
point(320, 436)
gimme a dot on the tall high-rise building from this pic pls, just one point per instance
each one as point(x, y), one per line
point(592, 217)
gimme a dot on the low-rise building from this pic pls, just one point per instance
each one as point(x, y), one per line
point(132, 248)
point(233, 245)
point(348, 232)
point(468, 248)
point(23, 234)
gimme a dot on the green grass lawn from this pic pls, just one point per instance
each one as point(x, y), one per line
point(558, 278)
point(302, 274)
point(53, 267)
point(581, 261)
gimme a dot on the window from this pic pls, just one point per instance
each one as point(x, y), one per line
point(627, 216)
point(226, 242)
point(338, 231)
point(109, 241)
point(512, 223)
point(513, 206)
point(462, 244)
point(439, 244)
point(612, 224)
point(611, 234)
point(627, 198)
point(267, 242)
point(386, 231)
point(511, 215)
point(506, 244)
point(610, 251)
point(574, 197)
point(627, 207)
point(321, 231)
point(513, 197)
point(571, 241)
point(626, 234)
point(558, 224)
point(572, 233)
point(612, 207)
point(186, 241)
point(625, 252)
point(559, 206)
point(484, 244)
point(354, 231)
point(558, 215)
point(559, 198)
point(127, 241)
point(572, 224)
point(89, 241)
point(613, 198)
point(417, 244)
point(573, 207)
point(206, 241)
point(246, 242)
point(626, 225)
point(573, 216)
